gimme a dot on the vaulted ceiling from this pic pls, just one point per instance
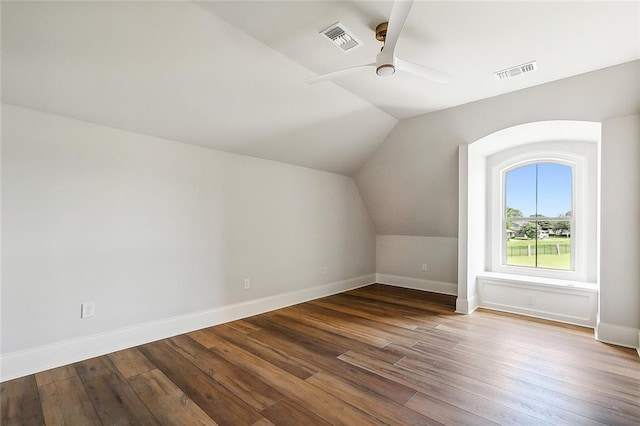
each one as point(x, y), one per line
point(231, 75)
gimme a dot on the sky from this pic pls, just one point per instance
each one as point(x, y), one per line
point(552, 184)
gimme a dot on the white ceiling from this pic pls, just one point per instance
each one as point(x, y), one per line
point(230, 75)
point(468, 40)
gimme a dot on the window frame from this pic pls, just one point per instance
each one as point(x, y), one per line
point(506, 218)
point(506, 161)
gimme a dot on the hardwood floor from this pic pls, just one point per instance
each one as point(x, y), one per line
point(376, 355)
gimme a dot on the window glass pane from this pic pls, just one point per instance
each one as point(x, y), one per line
point(554, 190)
point(539, 192)
point(520, 191)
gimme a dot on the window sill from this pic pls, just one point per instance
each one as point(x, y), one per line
point(572, 302)
point(539, 281)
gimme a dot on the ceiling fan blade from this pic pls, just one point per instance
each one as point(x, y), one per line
point(422, 71)
point(399, 13)
point(335, 74)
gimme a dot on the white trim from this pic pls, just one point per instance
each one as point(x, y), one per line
point(30, 361)
point(418, 284)
point(541, 281)
point(466, 306)
point(628, 337)
point(538, 131)
point(462, 303)
point(574, 154)
point(571, 304)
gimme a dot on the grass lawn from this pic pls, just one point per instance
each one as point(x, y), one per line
point(549, 261)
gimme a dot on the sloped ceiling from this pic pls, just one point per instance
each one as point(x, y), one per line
point(174, 70)
point(230, 74)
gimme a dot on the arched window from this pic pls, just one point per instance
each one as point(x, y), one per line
point(537, 215)
point(542, 211)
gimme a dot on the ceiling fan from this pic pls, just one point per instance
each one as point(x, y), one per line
point(387, 63)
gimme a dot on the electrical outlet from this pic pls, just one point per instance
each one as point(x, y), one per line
point(247, 283)
point(88, 310)
point(424, 267)
point(325, 270)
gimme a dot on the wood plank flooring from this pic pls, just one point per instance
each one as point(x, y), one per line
point(373, 356)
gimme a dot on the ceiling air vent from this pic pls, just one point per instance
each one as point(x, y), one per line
point(341, 37)
point(514, 71)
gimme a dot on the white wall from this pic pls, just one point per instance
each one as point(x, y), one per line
point(399, 261)
point(152, 229)
point(620, 225)
point(410, 184)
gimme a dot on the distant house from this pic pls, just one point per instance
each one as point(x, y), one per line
point(516, 231)
point(562, 232)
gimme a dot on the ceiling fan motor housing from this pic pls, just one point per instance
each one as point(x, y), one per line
point(385, 70)
point(384, 64)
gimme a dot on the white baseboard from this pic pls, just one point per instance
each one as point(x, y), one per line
point(30, 361)
point(628, 337)
point(466, 306)
point(418, 284)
